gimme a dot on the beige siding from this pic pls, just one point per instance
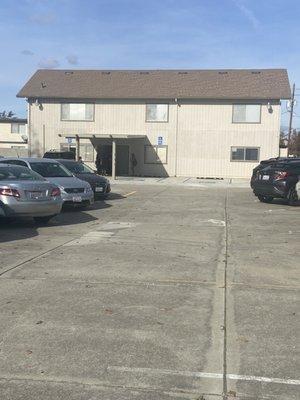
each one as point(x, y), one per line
point(201, 134)
point(206, 134)
point(11, 144)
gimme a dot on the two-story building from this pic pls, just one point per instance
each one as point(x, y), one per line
point(194, 123)
point(13, 137)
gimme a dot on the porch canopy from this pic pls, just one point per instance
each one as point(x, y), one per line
point(112, 137)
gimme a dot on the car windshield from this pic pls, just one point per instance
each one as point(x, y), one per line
point(79, 168)
point(50, 169)
point(13, 173)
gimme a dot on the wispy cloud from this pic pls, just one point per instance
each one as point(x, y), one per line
point(43, 18)
point(49, 63)
point(248, 13)
point(72, 59)
point(27, 52)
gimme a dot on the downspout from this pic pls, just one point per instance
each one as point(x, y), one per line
point(29, 127)
point(176, 136)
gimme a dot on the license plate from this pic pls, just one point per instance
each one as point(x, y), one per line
point(77, 199)
point(35, 195)
point(265, 177)
point(99, 189)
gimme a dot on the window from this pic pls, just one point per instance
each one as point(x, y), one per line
point(244, 153)
point(14, 162)
point(246, 113)
point(50, 170)
point(156, 154)
point(18, 128)
point(86, 151)
point(77, 112)
point(157, 112)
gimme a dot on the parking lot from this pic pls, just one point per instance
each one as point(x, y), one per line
point(159, 292)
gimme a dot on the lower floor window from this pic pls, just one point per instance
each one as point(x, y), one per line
point(244, 153)
point(156, 154)
point(86, 150)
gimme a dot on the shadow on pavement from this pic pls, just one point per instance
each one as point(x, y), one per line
point(115, 196)
point(24, 228)
point(17, 230)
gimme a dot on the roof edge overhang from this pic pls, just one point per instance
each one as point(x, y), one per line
point(101, 136)
point(173, 98)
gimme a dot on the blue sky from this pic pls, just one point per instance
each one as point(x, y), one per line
point(145, 34)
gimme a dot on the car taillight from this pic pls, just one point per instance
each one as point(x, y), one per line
point(55, 192)
point(10, 192)
point(279, 175)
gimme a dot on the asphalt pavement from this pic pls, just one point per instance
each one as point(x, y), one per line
point(160, 292)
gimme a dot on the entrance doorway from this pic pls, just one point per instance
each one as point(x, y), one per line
point(122, 159)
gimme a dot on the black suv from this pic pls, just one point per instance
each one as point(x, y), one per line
point(276, 178)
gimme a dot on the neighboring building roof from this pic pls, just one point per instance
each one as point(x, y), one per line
point(158, 84)
point(13, 121)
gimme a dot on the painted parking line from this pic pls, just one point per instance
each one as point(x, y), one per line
point(129, 194)
point(210, 375)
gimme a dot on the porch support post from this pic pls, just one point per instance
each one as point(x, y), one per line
point(77, 148)
point(113, 160)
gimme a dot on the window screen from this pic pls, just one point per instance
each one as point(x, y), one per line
point(157, 112)
point(246, 113)
point(77, 112)
point(244, 153)
point(18, 128)
point(87, 152)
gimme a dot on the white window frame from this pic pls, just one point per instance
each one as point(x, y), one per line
point(246, 122)
point(156, 120)
point(155, 149)
point(245, 149)
point(18, 124)
point(76, 120)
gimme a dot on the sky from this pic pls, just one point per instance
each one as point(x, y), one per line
point(140, 34)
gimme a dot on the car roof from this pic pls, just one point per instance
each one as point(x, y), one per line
point(10, 166)
point(32, 159)
point(67, 160)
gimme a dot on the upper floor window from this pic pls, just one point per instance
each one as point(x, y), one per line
point(18, 128)
point(244, 153)
point(157, 112)
point(77, 112)
point(246, 113)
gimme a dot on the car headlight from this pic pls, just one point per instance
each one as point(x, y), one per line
point(88, 190)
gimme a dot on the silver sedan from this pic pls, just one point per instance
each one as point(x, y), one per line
point(25, 193)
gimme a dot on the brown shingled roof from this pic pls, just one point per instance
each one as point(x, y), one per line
point(158, 84)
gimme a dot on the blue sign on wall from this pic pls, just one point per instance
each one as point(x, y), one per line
point(69, 140)
point(160, 140)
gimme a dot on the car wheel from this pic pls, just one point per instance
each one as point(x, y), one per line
point(265, 199)
point(43, 220)
point(293, 199)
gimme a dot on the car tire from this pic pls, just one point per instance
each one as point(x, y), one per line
point(265, 199)
point(43, 220)
point(293, 199)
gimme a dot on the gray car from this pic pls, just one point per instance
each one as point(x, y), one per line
point(25, 193)
point(74, 191)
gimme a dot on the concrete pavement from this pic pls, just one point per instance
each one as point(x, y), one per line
point(156, 293)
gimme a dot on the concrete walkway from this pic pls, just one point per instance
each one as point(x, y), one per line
point(182, 181)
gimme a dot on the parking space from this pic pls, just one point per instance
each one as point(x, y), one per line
point(158, 292)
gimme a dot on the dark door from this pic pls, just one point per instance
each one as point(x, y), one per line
point(122, 160)
point(104, 155)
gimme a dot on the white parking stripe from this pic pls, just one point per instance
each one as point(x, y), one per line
point(209, 375)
